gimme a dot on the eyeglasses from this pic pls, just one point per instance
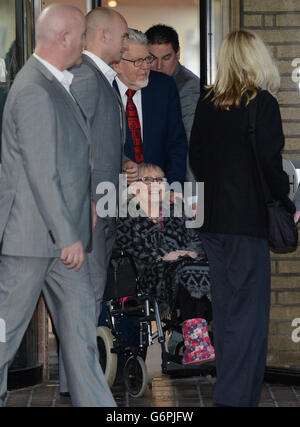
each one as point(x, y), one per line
point(138, 62)
point(148, 179)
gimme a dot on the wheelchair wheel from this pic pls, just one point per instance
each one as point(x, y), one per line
point(108, 360)
point(135, 376)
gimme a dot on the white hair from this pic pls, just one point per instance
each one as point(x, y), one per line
point(137, 36)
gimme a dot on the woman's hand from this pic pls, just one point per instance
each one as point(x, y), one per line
point(172, 256)
point(296, 216)
point(192, 254)
point(171, 196)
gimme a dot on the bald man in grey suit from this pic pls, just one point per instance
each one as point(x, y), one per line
point(106, 41)
point(45, 221)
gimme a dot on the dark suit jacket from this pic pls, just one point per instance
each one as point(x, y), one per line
point(164, 138)
point(221, 156)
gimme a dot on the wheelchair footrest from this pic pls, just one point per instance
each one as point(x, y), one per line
point(172, 365)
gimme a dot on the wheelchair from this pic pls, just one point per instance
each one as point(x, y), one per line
point(123, 281)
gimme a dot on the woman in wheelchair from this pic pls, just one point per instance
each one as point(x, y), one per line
point(170, 261)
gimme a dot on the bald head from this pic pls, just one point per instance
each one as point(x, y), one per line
point(102, 18)
point(106, 34)
point(60, 35)
point(54, 20)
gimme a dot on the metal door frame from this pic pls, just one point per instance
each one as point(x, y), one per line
point(96, 3)
point(230, 21)
point(25, 40)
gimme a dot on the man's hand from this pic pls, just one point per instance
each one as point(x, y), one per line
point(94, 215)
point(73, 256)
point(130, 168)
point(296, 216)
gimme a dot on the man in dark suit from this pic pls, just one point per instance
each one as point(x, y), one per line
point(164, 46)
point(160, 138)
point(155, 131)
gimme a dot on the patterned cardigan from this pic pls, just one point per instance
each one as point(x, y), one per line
point(148, 241)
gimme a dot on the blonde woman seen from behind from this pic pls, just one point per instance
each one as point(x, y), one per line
point(234, 232)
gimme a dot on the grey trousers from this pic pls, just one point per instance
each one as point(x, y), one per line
point(98, 259)
point(71, 302)
point(103, 240)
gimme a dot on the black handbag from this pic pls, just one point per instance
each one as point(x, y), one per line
point(282, 230)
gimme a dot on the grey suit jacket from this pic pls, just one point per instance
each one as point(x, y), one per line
point(45, 178)
point(107, 119)
point(188, 85)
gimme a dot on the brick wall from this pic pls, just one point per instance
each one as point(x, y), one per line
point(278, 23)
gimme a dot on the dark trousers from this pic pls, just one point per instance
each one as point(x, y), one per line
point(240, 278)
point(191, 307)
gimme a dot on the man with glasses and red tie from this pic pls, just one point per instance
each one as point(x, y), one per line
point(155, 131)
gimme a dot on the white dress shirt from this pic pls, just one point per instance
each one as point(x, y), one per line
point(65, 78)
point(137, 99)
point(109, 73)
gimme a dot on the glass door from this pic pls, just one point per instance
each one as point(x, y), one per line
point(215, 23)
point(16, 42)
point(182, 15)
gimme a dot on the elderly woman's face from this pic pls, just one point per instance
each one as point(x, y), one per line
point(154, 183)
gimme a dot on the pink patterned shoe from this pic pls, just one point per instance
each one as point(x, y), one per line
point(197, 342)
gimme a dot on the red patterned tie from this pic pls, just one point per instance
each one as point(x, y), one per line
point(134, 126)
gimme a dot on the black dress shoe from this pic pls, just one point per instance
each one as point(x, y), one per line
point(65, 394)
point(65, 397)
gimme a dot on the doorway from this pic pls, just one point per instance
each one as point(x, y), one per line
point(16, 41)
point(182, 15)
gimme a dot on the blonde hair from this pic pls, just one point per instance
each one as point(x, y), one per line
point(143, 168)
point(244, 66)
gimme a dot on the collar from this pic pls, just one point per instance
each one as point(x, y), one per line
point(108, 72)
point(123, 88)
point(64, 77)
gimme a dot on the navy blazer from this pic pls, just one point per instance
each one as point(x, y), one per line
point(164, 137)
